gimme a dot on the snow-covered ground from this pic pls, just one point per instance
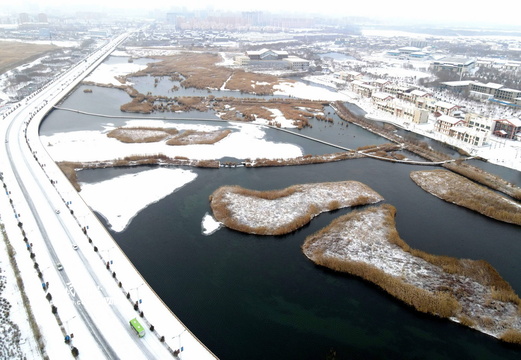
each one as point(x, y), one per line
point(107, 73)
point(245, 141)
point(304, 91)
point(111, 198)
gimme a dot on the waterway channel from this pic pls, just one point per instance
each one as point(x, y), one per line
point(253, 297)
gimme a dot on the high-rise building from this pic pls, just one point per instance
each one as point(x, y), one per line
point(24, 18)
point(42, 18)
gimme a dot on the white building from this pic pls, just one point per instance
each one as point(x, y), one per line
point(470, 136)
point(444, 123)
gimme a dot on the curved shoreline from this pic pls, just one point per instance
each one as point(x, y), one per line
point(366, 244)
point(280, 212)
point(463, 192)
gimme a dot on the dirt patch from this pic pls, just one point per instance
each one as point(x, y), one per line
point(366, 244)
point(463, 192)
point(280, 212)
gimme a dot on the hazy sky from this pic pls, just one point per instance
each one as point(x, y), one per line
point(506, 11)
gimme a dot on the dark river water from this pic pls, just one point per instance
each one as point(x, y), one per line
point(259, 297)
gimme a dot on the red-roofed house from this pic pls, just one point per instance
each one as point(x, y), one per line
point(507, 128)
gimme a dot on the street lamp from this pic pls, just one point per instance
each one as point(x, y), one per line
point(108, 256)
point(137, 292)
point(179, 348)
point(67, 324)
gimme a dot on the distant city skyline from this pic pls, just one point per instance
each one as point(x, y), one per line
point(398, 11)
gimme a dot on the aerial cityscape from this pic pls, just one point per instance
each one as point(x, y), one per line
point(204, 182)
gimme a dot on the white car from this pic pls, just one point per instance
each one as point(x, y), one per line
point(59, 266)
point(75, 247)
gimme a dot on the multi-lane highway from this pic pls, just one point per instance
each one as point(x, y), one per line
point(51, 219)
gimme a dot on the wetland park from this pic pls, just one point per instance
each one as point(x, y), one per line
point(389, 261)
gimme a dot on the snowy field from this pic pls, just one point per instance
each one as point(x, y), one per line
point(245, 141)
point(111, 198)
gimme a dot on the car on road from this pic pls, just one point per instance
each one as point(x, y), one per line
point(75, 247)
point(59, 266)
point(57, 211)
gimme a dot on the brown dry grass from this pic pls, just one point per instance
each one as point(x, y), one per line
point(511, 336)
point(198, 69)
point(302, 212)
point(485, 178)
point(431, 298)
point(191, 137)
point(249, 82)
point(141, 134)
point(461, 191)
point(436, 303)
point(303, 160)
point(138, 104)
point(17, 53)
point(299, 111)
point(69, 170)
point(201, 72)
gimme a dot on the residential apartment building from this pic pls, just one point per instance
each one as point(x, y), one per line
point(381, 97)
point(361, 88)
point(468, 135)
point(420, 116)
point(444, 123)
point(443, 107)
point(508, 128)
point(349, 75)
point(478, 122)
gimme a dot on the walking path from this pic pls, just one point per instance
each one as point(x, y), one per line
point(410, 162)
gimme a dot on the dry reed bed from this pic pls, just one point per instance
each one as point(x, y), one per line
point(485, 178)
point(70, 169)
point(279, 212)
point(200, 71)
point(463, 192)
point(192, 137)
point(171, 135)
point(366, 243)
point(17, 53)
point(141, 134)
point(304, 160)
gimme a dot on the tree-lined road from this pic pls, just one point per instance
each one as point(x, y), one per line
point(89, 302)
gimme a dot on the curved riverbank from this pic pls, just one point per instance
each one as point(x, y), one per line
point(459, 190)
point(280, 212)
point(366, 244)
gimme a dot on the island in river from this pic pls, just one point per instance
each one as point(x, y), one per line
point(280, 212)
point(366, 243)
point(461, 191)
